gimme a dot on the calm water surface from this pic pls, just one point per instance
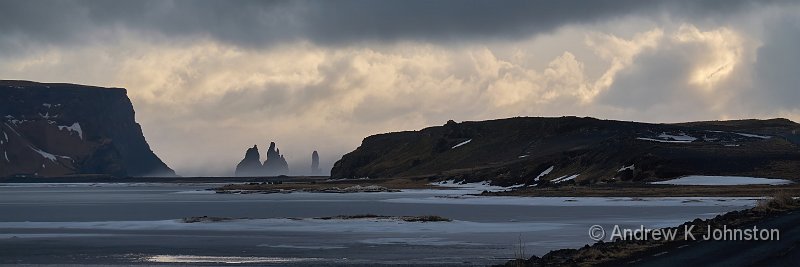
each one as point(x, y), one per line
point(140, 224)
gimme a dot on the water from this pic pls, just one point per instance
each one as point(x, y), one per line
point(140, 224)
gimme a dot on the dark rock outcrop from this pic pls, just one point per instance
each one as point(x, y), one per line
point(522, 150)
point(53, 129)
point(251, 164)
point(275, 163)
point(315, 163)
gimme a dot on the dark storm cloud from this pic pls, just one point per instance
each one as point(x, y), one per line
point(258, 23)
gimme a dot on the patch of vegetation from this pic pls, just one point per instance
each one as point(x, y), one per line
point(196, 219)
point(781, 201)
point(424, 218)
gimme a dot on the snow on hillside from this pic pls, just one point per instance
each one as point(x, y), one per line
point(632, 167)
point(461, 144)
point(723, 180)
point(545, 172)
point(669, 138)
point(564, 178)
point(754, 135)
point(75, 127)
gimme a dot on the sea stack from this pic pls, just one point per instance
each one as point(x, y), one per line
point(251, 164)
point(275, 163)
point(315, 163)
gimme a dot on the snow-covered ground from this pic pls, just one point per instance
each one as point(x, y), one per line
point(225, 259)
point(631, 167)
point(583, 201)
point(461, 144)
point(754, 135)
point(723, 180)
point(75, 127)
point(669, 138)
point(565, 178)
point(545, 172)
point(476, 187)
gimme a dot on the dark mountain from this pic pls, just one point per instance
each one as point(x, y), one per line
point(251, 164)
point(518, 150)
point(51, 129)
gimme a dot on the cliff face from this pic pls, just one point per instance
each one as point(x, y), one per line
point(68, 129)
point(520, 150)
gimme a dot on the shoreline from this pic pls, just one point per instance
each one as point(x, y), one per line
point(636, 251)
point(652, 190)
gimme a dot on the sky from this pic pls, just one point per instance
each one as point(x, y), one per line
point(208, 79)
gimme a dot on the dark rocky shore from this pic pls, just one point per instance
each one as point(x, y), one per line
point(631, 252)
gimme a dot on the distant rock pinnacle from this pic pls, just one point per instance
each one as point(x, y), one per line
point(251, 164)
point(315, 163)
point(275, 163)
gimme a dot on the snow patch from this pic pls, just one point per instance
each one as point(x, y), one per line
point(564, 178)
point(46, 155)
point(754, 135)
point(583, 201)
point(300, 247)
point(659, 140)
point(545, 172)
point(626, 168)
point(683, 137)
point(479, 186)
point(723, 180)
point(224, 259)
point(668, 138)
point(5, 153)
point(75, 127)
point(461, 144)
point(47, 105)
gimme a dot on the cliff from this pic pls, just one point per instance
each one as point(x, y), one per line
point(51, 129)
point(579, 150)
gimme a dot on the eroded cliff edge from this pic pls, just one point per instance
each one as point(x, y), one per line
point(54, 129)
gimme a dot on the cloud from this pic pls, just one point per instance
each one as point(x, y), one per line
point(248, 23)
point(778, 61)
point(676, 77)
point(210, 78)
